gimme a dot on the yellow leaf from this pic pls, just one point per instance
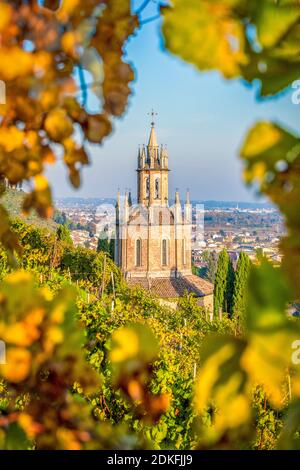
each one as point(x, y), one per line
point(58, 125)
point(40, 183)
point(5, 15)
point(14, 63)
point(126, 345)
point(70, 42)
point(21, 334)
point(210, 36)
point(17, 367)
point(67, 8)
point(11, 138)
point(262, 137)
point(208, 376)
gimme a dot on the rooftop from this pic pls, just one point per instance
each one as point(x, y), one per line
point(170, 288)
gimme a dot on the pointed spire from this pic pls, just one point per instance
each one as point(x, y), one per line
point(164, 157)
point(187, 209)
point(139, 157)
point(188, 200)
point(118, 204)
point(126, 198)
point(152, 139)
point(126, 208)
point(143, 156)
point(129, 199)
point(177, 209)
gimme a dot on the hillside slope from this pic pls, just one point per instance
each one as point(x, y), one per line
point(12, 200)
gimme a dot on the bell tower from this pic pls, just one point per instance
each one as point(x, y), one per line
point(153, 238)
point(153, 172)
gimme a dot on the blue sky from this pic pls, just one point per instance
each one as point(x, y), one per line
point(201, 117)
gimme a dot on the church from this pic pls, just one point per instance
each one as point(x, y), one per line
point(153, 239)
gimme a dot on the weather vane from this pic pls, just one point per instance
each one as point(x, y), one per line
point(152, 114)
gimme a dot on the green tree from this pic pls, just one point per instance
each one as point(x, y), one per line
point(112, 248)
point(103, 243)
point(60, 218)
point(240, 285)
point(212, 264)
point(224, 281)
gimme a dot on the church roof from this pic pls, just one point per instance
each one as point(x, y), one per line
point(171, 288)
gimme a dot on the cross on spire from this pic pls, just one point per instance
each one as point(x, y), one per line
point(153, 114)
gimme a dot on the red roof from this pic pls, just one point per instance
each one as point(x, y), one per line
point(170, 288)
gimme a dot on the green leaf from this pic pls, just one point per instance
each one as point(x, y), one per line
point(210, 36)
point(266, 144)
point(268, 297)
point(271, 333)
point(289, 437)
point(273, 21)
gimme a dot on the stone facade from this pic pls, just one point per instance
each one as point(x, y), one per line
point(153, 240)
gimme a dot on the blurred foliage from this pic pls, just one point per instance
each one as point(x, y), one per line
point(127, 374)
point(253, 39)
point(144, 354)
point(43, 361)
point(46, 55)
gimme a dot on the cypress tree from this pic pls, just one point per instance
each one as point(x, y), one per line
point(212, 264)
point(224, 282)
point(240, 284)
point(112, 248)
point(103, 242)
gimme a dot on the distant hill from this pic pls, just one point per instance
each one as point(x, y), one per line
point(12, 200)
point(81, 201)
point(234, 204)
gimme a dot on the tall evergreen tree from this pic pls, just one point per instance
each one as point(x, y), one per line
point(212, 264)
point(224, 281)
point(240, 284)
point(112, 248)
point(105, 244)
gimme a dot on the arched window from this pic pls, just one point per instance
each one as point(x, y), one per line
point(160, 218)
point(164, 253)
point(138, 252)
point(183, 252)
